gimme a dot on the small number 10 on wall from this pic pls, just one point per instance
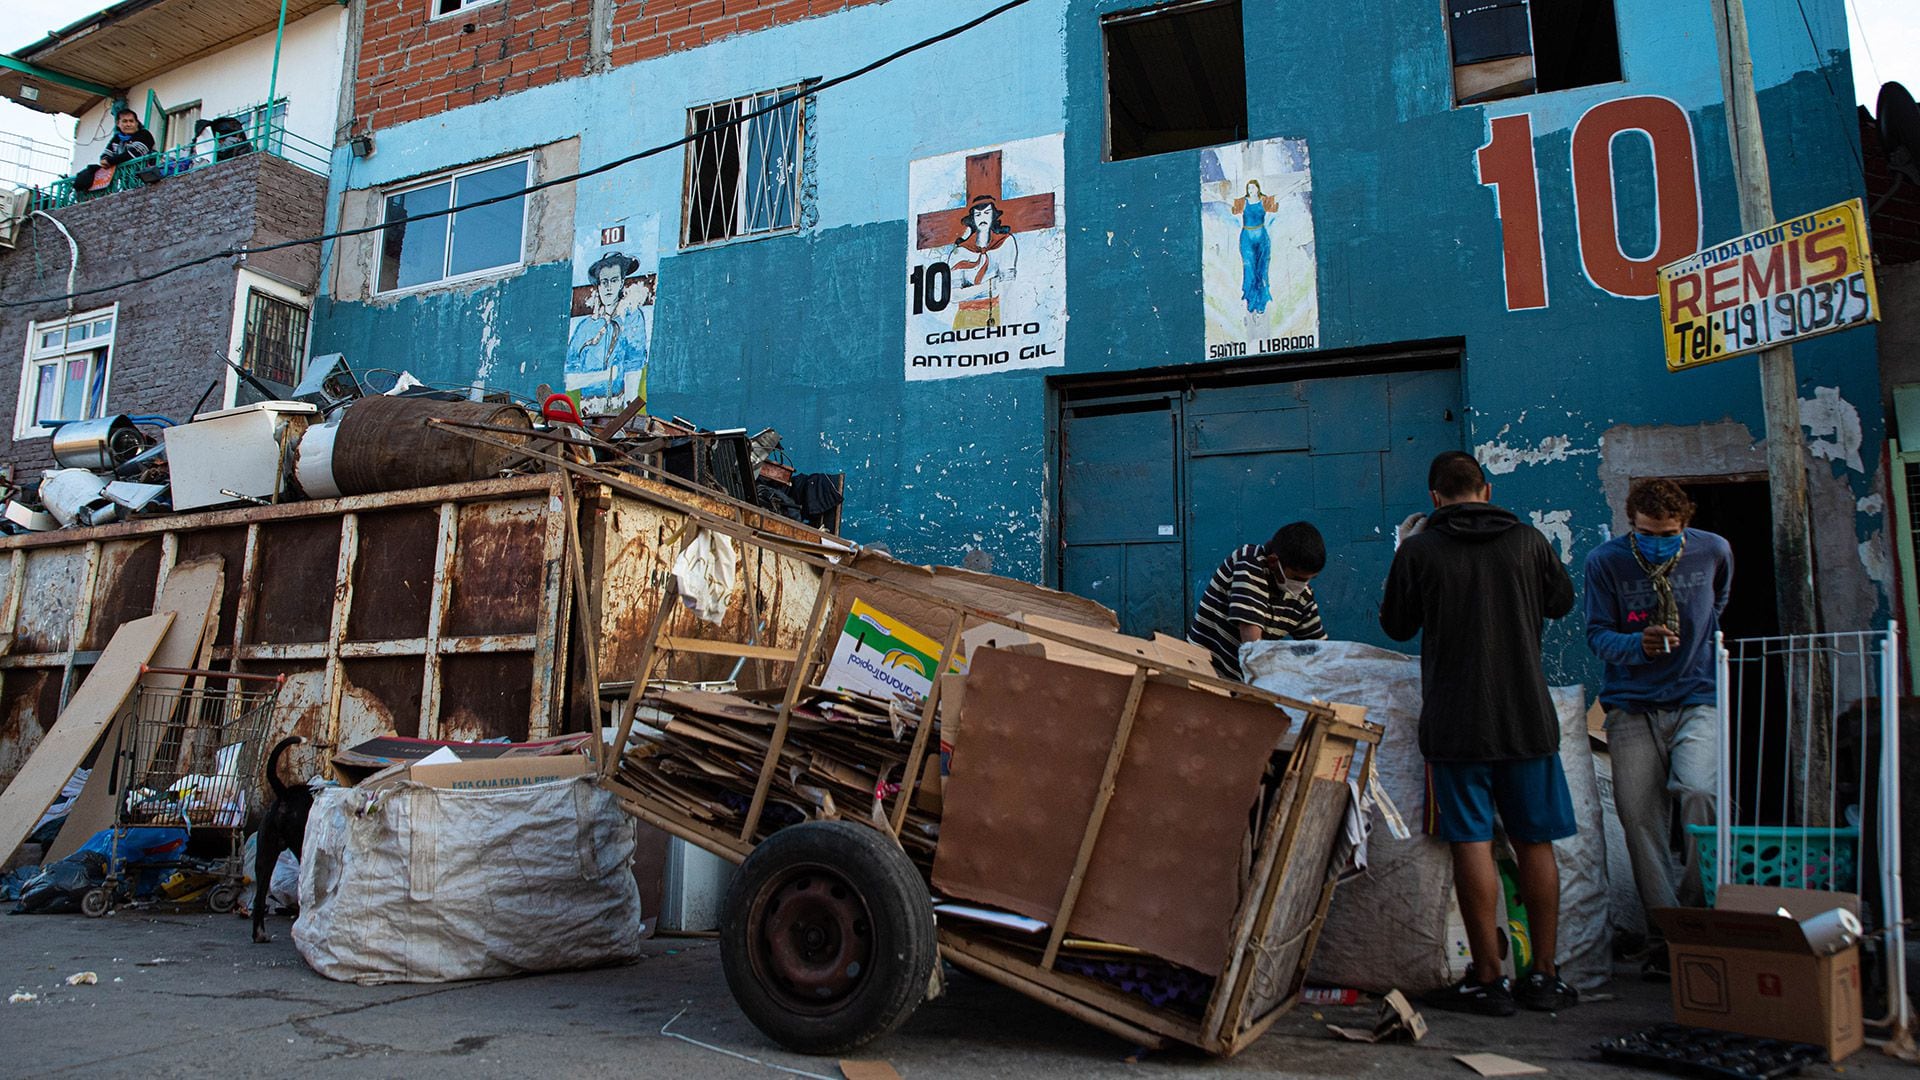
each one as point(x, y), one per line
point(1507, 165)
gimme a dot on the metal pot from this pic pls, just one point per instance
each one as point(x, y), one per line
point(99, 445)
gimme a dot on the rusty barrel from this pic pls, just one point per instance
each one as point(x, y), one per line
point(386, 444)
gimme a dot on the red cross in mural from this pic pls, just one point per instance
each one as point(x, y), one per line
point(942, 228)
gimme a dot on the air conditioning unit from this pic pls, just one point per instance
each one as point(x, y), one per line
point(13, 211)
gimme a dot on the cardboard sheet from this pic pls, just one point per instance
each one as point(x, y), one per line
point(192, 592)
point(1165, 874)
point(93, 706)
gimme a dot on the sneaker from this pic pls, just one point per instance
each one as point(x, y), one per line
point(1545, 993)
point(1486, 999)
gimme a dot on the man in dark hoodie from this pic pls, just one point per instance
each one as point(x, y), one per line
point(129, 141)
point(1478, 584)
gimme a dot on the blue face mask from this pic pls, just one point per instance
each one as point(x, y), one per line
point(1657, 549)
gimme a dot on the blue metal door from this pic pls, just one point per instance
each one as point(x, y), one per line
point(1120, 509)
point(1348, 454)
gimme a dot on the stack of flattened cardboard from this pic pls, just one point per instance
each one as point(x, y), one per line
point(841, 749)
point(464, 765)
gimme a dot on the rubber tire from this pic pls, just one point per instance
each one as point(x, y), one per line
point(222, 898)
point(901, 918)
point(96, 902)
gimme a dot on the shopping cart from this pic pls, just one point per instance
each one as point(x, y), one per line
point(186, 762)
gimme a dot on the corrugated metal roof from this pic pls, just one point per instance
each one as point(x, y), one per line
point(134, 40)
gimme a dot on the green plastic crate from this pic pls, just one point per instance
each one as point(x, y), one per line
point(1790, 858)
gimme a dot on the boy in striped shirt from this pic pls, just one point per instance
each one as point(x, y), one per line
point(1261, 592)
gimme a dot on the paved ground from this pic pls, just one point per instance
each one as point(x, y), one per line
point(191, 996)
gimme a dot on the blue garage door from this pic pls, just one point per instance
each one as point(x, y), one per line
point(1156, 489)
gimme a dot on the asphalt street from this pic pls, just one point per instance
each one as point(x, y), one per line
point(192, 996)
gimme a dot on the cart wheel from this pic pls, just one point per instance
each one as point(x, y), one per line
point(96, 902)
point(222, 898)
point(827, 937)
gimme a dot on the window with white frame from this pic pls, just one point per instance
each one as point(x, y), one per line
point(65, 373)
point(743, 179)
point(178, 126)
point(467, 243)
point(454, 7)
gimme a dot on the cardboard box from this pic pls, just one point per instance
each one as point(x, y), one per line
point(1743, 967)
point(503, 772)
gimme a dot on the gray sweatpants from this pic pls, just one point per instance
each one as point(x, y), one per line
point(1660, 757)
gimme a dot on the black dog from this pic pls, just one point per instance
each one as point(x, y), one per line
point(283, 829)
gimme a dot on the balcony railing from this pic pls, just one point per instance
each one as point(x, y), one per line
point(262, 136)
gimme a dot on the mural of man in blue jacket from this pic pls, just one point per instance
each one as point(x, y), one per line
point(1478, 585)
point(1654, 600)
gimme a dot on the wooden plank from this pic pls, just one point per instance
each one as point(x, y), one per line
point(584, 620)
point(727, 648)
point(921, 733)
point(98, 700)
point(1116, 1005)
point(669, 597)
point(797, 682)
point(1115, 754)
point(192, 593)
point(1085, 1013)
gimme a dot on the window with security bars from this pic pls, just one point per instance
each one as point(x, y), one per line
point(275, 345)
point(743, 173)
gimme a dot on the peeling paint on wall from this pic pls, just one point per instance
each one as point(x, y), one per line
point(1876, 560)
point(1872, 504)
point(1834, 426)
point(1554, 524)
point(1500, 459)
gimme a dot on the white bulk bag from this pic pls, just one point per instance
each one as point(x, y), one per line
point(406, 883)
point(1388, 929)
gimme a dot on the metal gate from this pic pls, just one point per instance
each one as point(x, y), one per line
point(1156, 488)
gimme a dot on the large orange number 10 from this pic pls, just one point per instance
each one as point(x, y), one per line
point(1506, 164)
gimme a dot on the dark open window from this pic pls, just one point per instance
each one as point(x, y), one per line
point(1176, 79)
point(1507, 48)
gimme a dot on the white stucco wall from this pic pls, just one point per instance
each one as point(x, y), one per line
point(238, 77)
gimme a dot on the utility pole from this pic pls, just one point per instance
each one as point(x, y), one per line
point(1779, 386)
point(1809, 736)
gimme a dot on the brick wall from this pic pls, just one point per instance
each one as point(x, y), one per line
point(412, 65)
point(173, 331)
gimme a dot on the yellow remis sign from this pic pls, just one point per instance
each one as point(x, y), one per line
point(1801, 278)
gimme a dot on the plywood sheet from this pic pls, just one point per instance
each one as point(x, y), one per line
point(1165, 875)
point(66, 744)
point(192, 592)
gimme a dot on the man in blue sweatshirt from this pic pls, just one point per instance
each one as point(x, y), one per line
point(1654, 598)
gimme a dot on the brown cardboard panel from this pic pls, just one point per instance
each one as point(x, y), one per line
point(500, 772)
point(1772, 995)
point(1731, 929)
point(93, 706)
point(1803, 903)
point(1164, 876)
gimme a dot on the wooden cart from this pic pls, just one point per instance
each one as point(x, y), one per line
point(810, 895)
point(790, 912)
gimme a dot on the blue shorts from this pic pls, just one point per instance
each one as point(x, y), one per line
point(1531, 795)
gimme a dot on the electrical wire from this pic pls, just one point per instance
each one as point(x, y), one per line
point(1861, 21)
point(1846, 114)
point(557, 181)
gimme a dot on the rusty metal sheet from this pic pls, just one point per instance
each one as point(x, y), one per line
point(393, 578)
point(486, 697)
point(638, 544)
point(499, 568)
point(1033, 741)
point(293, 585)
point(123, 587)
point(386, 698)
point(29, 704)
point(48, 598)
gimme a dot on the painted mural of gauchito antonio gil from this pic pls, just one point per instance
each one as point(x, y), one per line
point(1256, 227)
point(987, 260)
point(612, 317)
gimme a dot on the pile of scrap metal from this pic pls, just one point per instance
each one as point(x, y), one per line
point(340, 433)
point(845, 751)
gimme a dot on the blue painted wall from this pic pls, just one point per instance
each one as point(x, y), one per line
point(804, 332)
